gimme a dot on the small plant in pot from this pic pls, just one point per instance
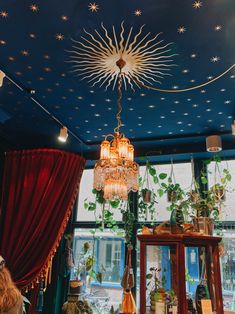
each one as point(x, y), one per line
point(84, 269)
point(174, 191)
point(156, 282)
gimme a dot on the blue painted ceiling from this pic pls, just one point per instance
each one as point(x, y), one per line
point(35, 37)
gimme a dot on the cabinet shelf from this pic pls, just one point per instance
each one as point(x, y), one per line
point(175, 247)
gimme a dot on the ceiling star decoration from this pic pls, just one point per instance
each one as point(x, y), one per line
point(215, 59)
point(197, 4)
point(147, 59)
point(218, 28)
point(93, 7)
point(4, 14)
point(181, 30)
point(34, 8)
point(138, 12)
point(59, 37)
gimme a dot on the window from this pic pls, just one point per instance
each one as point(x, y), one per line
point(181, 173)
point(214, 175)
point(109, 248)
point(109, 253)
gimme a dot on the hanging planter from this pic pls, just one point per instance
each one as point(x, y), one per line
point(147, 195)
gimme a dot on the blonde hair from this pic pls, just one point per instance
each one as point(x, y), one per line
point(10, 296)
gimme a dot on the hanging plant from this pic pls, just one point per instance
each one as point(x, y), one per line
point(150, 190)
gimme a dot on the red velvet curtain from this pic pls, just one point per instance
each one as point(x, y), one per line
point(39, 190)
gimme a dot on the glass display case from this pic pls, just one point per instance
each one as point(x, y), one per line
point(166, 261)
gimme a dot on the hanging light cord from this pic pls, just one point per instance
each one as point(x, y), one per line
point(119, 103)
point(139, 83)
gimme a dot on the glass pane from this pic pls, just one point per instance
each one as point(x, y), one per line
point(182, 174)
point(215, 172)
point(161, 281)
point(85, 192)
point(228, 269)
point(108, 255)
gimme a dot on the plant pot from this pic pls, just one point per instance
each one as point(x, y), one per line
point(204, 225)
point(147, 195)
point(194, 196)
point(75, 287)
point(177, 221)
point(171, 196)
point(157, 296)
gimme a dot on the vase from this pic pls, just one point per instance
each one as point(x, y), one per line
point(202, 293)
point(177, 221)
point(204, 225)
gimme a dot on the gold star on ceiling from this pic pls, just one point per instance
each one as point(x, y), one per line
point(138, 12)
point(11, 58)
point(34, 7)
point(197, 4)
point(64, 18)
point(59, 36)
point(3, 42)
point(181, 30)
point(4, 14)
point(24, 53)
point(32, 35)
point(93, 7)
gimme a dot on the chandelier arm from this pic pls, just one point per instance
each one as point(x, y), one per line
point(119, 103)
point(135, 80)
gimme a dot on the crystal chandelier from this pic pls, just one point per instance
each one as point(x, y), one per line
point(116, 172)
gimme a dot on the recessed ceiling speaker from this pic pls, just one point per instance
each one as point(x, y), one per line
point(213, 144)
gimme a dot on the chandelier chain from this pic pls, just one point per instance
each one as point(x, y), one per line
point(119, 103)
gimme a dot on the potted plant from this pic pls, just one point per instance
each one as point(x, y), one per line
point(208, 204)
point(84, 267)
point(156, 284)
point(147, 196)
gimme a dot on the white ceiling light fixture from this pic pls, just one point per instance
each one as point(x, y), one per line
point(2, 75)
point(213, 144)
point(233, 128)
point(63, 134)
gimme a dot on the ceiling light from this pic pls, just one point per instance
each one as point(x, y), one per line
point(2, 75)
point(233, 128)
point(63, 134)
point(116, 172)
point(213, 143)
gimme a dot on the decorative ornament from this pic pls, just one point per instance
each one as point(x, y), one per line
point(147, 59)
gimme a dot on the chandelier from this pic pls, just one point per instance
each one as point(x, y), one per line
point(116, 172)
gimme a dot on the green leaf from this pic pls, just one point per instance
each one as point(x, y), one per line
point(152, 171)
point(155, 179)
point(160, 192)
point(204, 180)
point(162, 176)
point(114, 203)
point(149, 276)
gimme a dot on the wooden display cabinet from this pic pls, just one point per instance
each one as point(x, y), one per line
point(177, 244)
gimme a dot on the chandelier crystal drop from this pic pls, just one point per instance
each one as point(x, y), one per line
point(116, 172)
